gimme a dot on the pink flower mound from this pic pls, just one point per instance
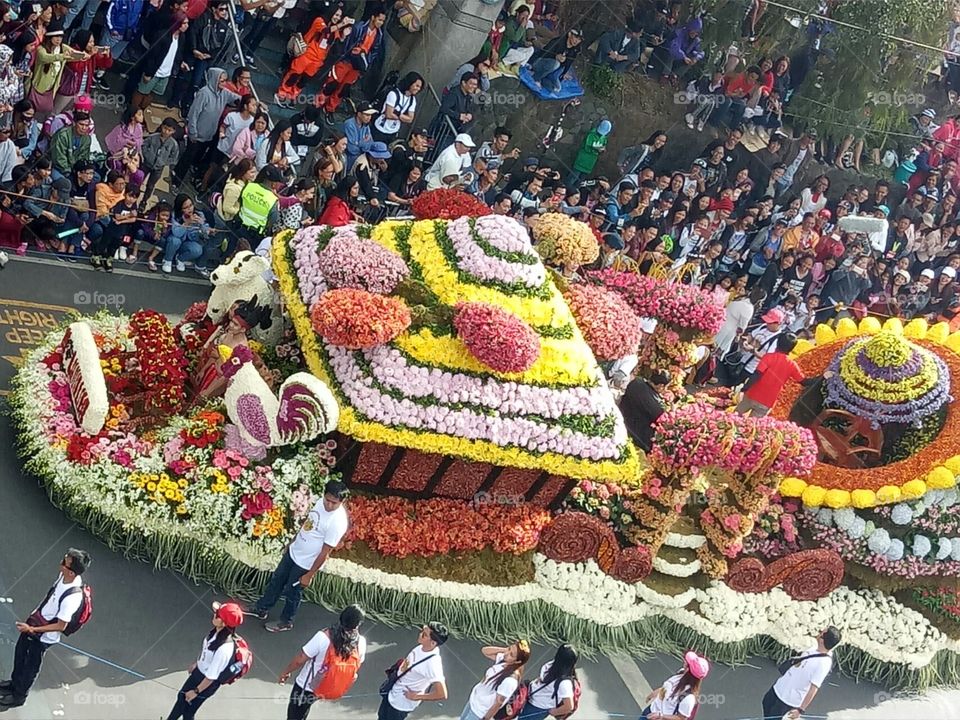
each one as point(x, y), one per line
point(499, 339)
point(610, 327)
point(349, 261)
point(682, 306)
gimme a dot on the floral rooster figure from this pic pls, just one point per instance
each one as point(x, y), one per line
point(305, 408)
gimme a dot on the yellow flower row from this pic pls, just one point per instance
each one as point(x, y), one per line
point(916, 329)
point(478, 450)
point(941, 477)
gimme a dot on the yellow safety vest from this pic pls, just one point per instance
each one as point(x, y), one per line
point(256, 201)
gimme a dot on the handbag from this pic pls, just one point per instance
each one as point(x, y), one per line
point(791, 662)
point(393, 674)
point(296, 45)
point(70, 82)
point(42, 102)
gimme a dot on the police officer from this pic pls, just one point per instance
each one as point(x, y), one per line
point(259, 210)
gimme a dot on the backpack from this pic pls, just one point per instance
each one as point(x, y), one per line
point(241, 664)
point(576, 699)
point(338, 674)
point(83, 614)
point(512, 707)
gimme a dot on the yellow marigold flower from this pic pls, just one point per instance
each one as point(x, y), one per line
point(792, 487)
point(888, 494)
point(913, 489)
point(863, 498)
point(837, 498)
point(953, 464)
point(813, 495)
point(940, 478)
point(151, 486)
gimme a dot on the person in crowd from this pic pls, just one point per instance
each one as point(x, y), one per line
point(363, 49)
point(458, 108)
point(683, 52)
point(500, 681)
point(620, 49)
point(216, 656)
point(161, 61)
point(60, 606)
point(399, 108)
point(402, 190)
point(249, 140)
point(447, 170)
point(367, 170)
point(125, 146)
point(118, 231)
point(359, 133)
point(551, 65)
point(81, 76)
point(227, 205)
point(203, 126)
point(207, 39)
point(590, 150)
point(278, 151)
point(341, 641)
point(419, 676)
point(794, 691)
point(341, 208)
point(772, 372)
point(325, 35)
point(189, 236)
point(517, 47)
point(642, 405)
point(679, 695)
point(152, 231)
point(552, 692)
point(316, 540)
point(122, 24)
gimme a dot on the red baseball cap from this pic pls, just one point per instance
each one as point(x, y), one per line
point(230, 613)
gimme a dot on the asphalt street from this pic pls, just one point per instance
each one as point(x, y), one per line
point(148, 622)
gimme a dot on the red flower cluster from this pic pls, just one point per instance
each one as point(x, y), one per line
point(162, 363)
point(444, 204)
point(495, 337)
point(357, 319)
point(398, 527)
point(610, 327)
point(206, 429)
point(255, 505)
point(78, 449)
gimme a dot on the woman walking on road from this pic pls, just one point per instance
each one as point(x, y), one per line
point(216, 656)
point(500, 682)
point(678, 697)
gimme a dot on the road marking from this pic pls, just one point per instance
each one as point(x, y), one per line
point(629, 672)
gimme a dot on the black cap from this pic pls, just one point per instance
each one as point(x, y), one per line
point(422, 132)
point(270, 173)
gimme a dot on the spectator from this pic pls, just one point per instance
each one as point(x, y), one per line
point(552, 64)
point(680, 692)
point(249, 140)
point(500, 681)
point(792, 694)
point(552, 693)
point(367, 170)
point(419, 676)
point(517, 45)
point(458, 107)
point(593, 145)
point(326, 31)
point(118, 232)
point(402, 190)
point(340, 207)
point(447, 169)
point(620, 50)
point(399, 108)
point(773, 371)
point(683, 48)
point(150, 76)
point(797, 154)
point(278, 151)
point(364, 49)
point(122, 24)
point(358, 133)
point(203, 125)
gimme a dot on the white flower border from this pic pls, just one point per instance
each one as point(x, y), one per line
point(679, 570)
point(684, 542)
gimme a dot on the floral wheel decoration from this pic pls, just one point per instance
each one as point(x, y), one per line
point(804, 575)
point(894, 373)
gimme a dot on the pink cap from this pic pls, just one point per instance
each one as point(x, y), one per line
point(83, 102)
point(698, 666)
point(773, 315)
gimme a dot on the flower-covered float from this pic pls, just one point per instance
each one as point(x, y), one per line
point(496, 487)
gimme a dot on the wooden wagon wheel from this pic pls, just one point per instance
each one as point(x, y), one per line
point(837, 446)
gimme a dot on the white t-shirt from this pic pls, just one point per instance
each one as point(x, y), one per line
point(213, 662)
point(54, 610)
point(763, 338)
point(542, 696)
point(316, 649)
point(419, 679)
point(793, 685)
point(669, 705)
point(401, 104)
point(319, 529)
point(166, 67)
point(233, 123)
point(484, 694)
point(449, 162)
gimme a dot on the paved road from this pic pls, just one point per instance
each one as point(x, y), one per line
point(148, 622)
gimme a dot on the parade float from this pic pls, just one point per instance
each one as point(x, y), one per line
point(451, 371)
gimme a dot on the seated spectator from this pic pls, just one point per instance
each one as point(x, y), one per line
point(447, 169)
point(683, 50)
point(737, 91)
point(552, 64)
point(517, 46)
point(620, 50)
point(118, 232)
point(152, 231)
point(340, 209)
point(189, 234)
point(402, 190)
point(367, 170)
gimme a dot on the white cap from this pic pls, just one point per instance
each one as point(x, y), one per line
point(949, 272)
point(930, 113)
point(928, 273)
point(465, 139)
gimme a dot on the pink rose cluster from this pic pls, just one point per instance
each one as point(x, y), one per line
point(349, 261)
point(682, 306)
point(697, 436)
point(497, 338)
point(610, 327)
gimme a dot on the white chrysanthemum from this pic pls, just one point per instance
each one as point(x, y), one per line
point(921, 546)
point(901, 514)
point(879, 541)
point(895, 551)
point(944, 547)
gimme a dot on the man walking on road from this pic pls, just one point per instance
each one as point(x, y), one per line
point(320, 534)
point(42, 629)
point(419, 676)
point(802, 677)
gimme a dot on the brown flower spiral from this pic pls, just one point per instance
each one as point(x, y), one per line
point(747, 575)
point(814, 576)
point(804, 575)
point(632, 564)
point(575, 537)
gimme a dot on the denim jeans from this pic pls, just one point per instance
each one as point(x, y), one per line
point(116, 44)
point(547, 72)
point(532, 712)
point(89, 10)
point(258, 31)
point(284, 581)
point(182, 250)
point(468, 714)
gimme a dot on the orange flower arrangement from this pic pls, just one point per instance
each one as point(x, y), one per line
point(813, 362)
